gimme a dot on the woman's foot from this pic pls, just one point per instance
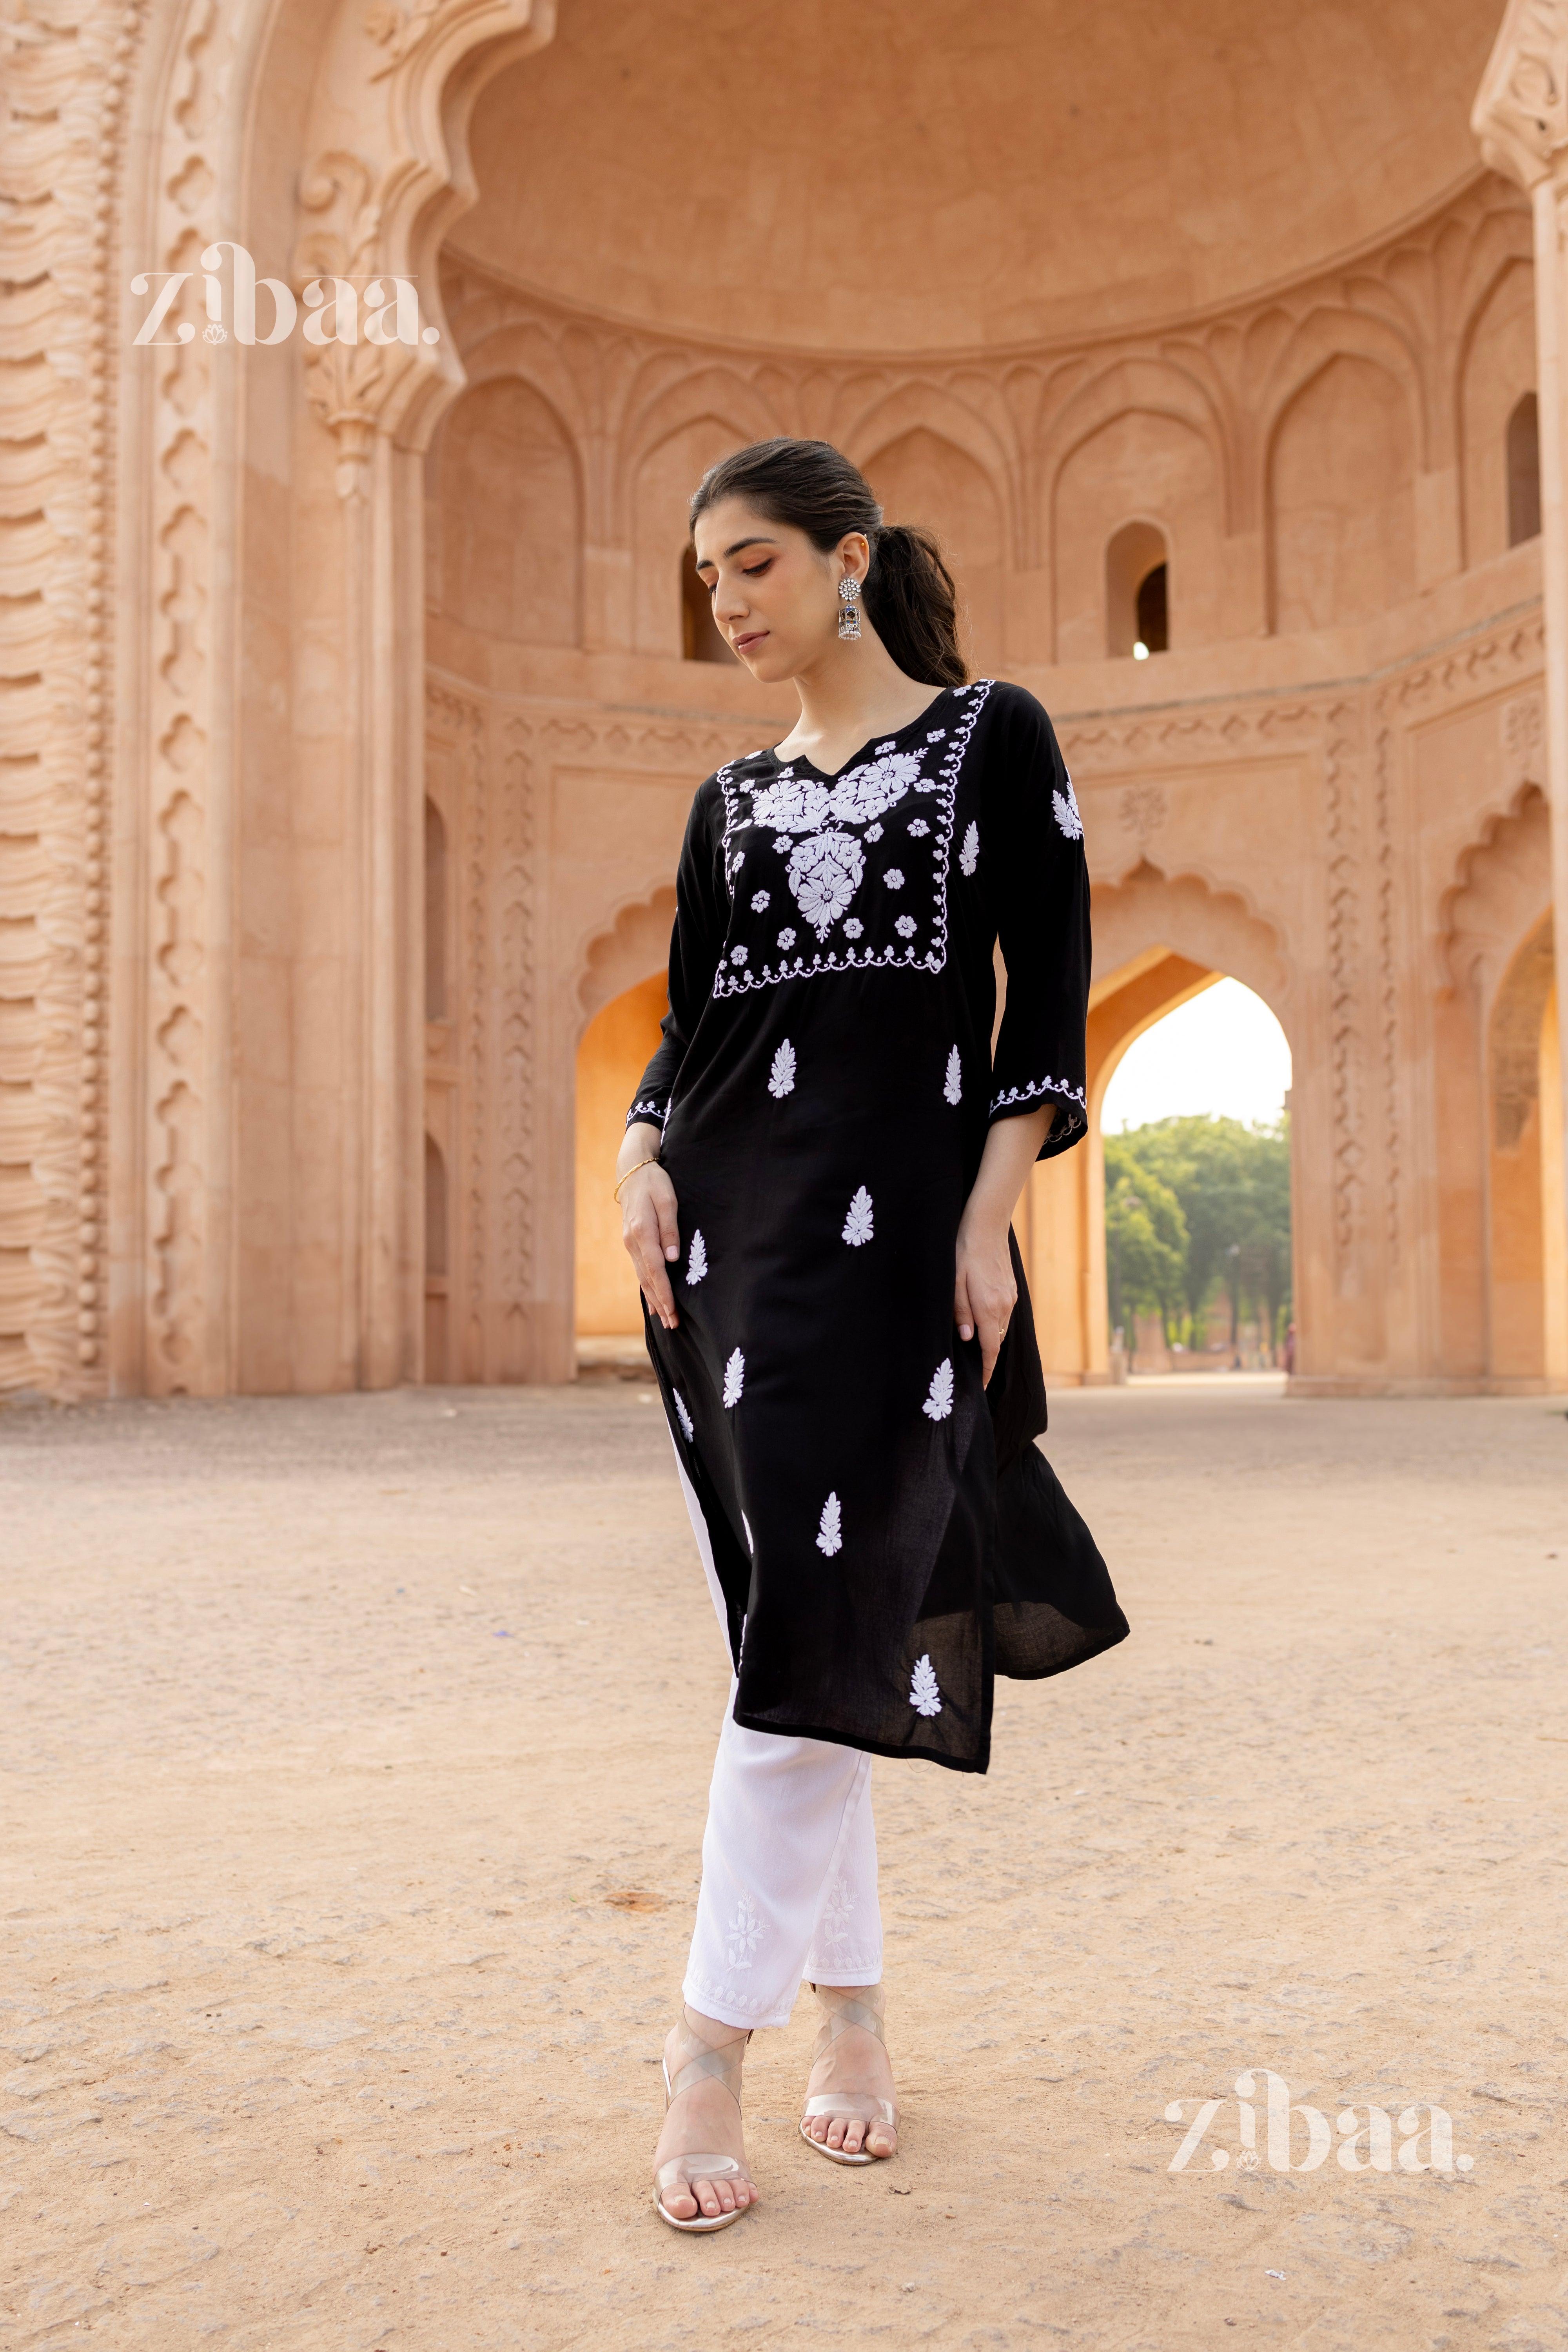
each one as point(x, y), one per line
point(699, 2165)
point(851, 2107)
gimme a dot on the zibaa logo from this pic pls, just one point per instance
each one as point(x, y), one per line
point(1366, 2134)
point(337, 311)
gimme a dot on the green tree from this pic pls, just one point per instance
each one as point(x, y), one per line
point(1145, 1239)
point(1231, 1184)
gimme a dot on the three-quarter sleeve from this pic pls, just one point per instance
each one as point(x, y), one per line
point(1032, 837)
point(696, 943)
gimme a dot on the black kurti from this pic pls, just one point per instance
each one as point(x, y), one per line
point(887, 1533)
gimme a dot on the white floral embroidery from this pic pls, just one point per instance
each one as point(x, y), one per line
point(829, 1533)
point(787, 937)
point(744, 1935)
point(938, 1402)
point(873, 832)
point(1040, 1086)
point(687, 1432)
point(825, 874)
point(737, 955)
point(924, 1695)
point(857, 1223)
point(887, 746)
point(734, 1378)
point(781, 1078)
point(894, 878)
point(646, 1109)
point(697, 1263)
point(954, 1089)
point(829, 874)
point(968, 857)
point(872, 790)
point(759, 900)
point(1066, 807)
point(918, 828)
point(905, 927)
point(791, 804)
point(833, 1928)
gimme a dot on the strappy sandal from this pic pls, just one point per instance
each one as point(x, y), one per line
point(695, 2059)
point(863, 2006)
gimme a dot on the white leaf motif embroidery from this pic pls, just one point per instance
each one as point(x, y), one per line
point(780, 1080)
point(687, 1432)
point(825, 874)
point(734, 1378)
point(924, 1695)
point(954, 1089)
point(968, 857)
point(857, 1223)
point(696, 1264)
point(829, 1533)
point(939, 1404)
point(1066, 807)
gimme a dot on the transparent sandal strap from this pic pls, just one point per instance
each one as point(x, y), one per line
point(845, 2010)
point(704, 2166)
point(698, 2060)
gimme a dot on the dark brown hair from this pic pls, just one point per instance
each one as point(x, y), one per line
point(910, 597)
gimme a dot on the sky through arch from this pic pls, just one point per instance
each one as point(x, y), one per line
point(1222, 1053)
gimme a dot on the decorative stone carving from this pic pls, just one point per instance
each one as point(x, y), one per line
point(1521, 113)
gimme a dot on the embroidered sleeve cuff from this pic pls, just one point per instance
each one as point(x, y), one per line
point(647, 1108)
point(1013, 1102)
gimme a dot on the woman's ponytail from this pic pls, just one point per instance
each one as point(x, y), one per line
point(910, 597)
point(912, 603)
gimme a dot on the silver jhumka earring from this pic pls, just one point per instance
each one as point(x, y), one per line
point(849, 606)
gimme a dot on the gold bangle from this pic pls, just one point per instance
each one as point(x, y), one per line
point(651, 1161)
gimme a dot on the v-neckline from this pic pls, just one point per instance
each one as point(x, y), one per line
point(800, 759)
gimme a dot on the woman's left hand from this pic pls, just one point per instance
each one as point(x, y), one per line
point(984, 1292)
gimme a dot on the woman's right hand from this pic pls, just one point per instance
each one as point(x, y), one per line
point(649, 1223)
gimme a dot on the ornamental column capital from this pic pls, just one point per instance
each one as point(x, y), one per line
point(1521, 113)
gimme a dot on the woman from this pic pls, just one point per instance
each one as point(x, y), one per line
point(817, 1178)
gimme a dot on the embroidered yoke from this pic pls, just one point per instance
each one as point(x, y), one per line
point(886, 1534)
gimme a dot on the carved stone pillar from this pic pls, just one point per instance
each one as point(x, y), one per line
point(388, 173)
point(1520, 117)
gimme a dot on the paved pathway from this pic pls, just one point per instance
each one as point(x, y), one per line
point(354, 1760)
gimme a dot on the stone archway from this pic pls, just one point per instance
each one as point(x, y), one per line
point(1158, 941)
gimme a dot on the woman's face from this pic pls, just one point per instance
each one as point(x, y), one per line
point(775, 596)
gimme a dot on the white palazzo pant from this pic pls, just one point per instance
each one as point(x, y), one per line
point(789, 1863)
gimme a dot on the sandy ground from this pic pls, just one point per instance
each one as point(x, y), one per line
point(333, 1730)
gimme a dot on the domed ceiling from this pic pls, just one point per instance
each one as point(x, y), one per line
point(898, 175)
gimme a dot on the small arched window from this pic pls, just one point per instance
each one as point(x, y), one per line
point(434, 1209)
point(1137, 595)
point(699, 638)
point(1524, 471)
point(435, 913)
